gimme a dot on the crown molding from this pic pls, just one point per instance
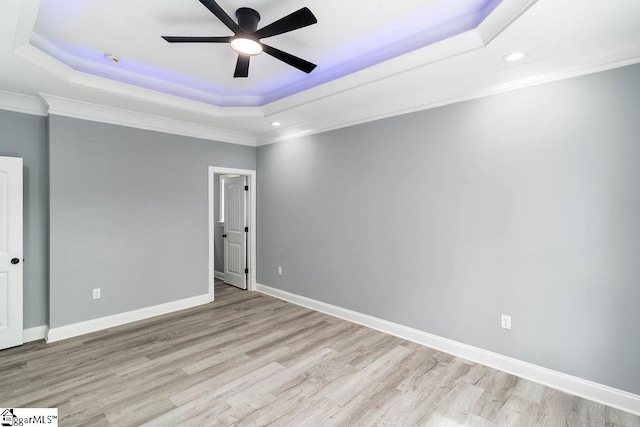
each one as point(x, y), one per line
point(22, 103)
point(27, 16)
point(421, 58)
point(40, 54)
point(80, 79)
point(153, 97)
point(609, 59)
point(314, 110)
point(501, 18)
point(503, 14)
point(89, 74)
point(99, 113)
point(82, 110)
point(497, 21)
point(22, 47)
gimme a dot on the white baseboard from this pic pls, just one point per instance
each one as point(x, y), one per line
point(34, 334)
point(573, 385)
point(218, 275)
point(73, 330)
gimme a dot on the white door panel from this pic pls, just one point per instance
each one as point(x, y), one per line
point(235, 242)
point(10, 252)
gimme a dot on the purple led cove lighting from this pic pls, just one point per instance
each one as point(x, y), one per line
point(436, 21)
point(347, 63)
point(134, 73)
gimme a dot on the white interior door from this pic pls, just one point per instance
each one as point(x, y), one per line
point(10, 252)
point(235, 236)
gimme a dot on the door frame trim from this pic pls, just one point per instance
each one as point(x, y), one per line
point(251, 174)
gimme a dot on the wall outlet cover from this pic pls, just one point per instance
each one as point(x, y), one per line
point(506, 321)
point(96, 293)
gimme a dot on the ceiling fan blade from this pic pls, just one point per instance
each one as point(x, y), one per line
point(181, 39)
point(298, 19)
point(242, 66)
point(294, 61)
point(222, 15)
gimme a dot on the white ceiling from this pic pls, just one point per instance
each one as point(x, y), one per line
point(347, 37)
point(375, 59)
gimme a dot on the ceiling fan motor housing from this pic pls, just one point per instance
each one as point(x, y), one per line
point(247, 39)
point(248, 19)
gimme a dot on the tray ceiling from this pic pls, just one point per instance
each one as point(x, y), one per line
point(349, 36)
point(52, 55)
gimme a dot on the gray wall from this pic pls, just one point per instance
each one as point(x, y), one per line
point(23, 135)
point(524, 203)
point(129, 213)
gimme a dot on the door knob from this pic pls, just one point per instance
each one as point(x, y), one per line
point(15, 261)
point(224, 235)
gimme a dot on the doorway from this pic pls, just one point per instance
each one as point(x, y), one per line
point(240, 239)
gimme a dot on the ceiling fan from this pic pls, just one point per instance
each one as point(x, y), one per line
point(246, 40)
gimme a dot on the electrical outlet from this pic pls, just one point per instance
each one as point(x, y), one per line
point(506, 321)
point(279, 271)
point(96, 293)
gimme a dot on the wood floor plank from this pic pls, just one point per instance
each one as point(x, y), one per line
point(252, 360)
point(517, 411)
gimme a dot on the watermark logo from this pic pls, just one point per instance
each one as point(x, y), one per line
point(6, 417)
point(19, 417)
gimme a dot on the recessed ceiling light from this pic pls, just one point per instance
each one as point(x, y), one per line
point(246, 46)
point(275, 123)
point(111, 57)
point(512, 57)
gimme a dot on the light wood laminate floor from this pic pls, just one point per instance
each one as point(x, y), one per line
point(249, 359)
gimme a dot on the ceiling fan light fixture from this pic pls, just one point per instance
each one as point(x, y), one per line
point(246, 46)
point(246, 41)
